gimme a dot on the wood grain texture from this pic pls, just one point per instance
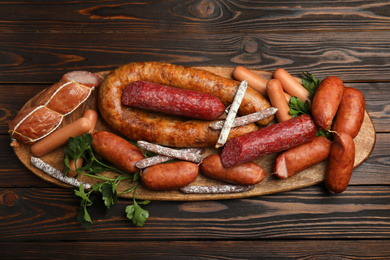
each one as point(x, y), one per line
point(38, 214)
point(348, 55)
point(364, 143)
point(302, 249)
point(199, 16)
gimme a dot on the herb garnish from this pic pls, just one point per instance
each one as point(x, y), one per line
point(106, 192)
point(297, 107)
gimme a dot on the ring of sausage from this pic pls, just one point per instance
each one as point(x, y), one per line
point(139, 124)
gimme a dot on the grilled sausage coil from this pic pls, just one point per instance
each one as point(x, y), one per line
point(154, 127)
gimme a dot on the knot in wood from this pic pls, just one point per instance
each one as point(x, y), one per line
point(8, 199)
point(204, 9)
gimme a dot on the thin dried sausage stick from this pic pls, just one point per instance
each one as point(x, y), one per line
point(227, 125)
point(174, 153)
point(47, 168)
point(216, 189)
point(150, 161)
point(244, 120)
point(139, 124)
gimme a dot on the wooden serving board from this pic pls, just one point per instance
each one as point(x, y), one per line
point(364, 143)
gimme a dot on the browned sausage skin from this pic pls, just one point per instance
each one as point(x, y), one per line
point(167, 130)
point(169, 176)
point(350, 115)
point(248, 173)
point(341, 161)
point(302, 157)
point(326, 101)
point(117, 150)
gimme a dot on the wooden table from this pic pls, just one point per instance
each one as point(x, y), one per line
point(40, 41)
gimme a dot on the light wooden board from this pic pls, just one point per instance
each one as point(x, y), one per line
point(364, 143)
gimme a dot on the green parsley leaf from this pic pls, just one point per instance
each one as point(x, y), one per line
point(310, 83)
point(137, 214)
point(297, 107)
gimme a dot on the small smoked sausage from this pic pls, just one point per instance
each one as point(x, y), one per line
point(169, 176)
point(341, 161)
point(291, 85)
point(248, 173)
point(117, 150)
point(256, 82)
point(171, 100)
point(302, 157)
point(350, 115)
point(278, 100)
point(326, 101)
point(60, 137)
point(267, 140)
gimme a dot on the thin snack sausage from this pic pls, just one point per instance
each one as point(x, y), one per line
point(291, 85)
point(248, 173)
point(326, 101)
point(340, 164)
point(117, 150)
point(299, 158)
point(92, 116)
point(350, 114)
point(267, 140)
point(277, 98)
point(171, 100)
point(60, 137)
point(169, 176)
point(138, 124)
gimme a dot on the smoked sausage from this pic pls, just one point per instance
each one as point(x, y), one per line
point(340, 164)
point(248, 173)
point(171, 100)
point(50, 107)
point(169, 176)
point(117, 150)
point(326, 101)
point(302, 157)
point(139, 124)
point(350, 115)
point(271, 139)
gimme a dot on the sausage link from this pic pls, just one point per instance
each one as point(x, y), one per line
point(340, 164)
point(270, 139)
point(248, 173)
point(116, 150)
point(302, 157)
point(60, 137)
point(138, 124)
point(350, 115)
point(169, 176)
point(326, 101)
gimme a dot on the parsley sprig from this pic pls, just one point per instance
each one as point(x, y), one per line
point(297, 107)
point(102, 192)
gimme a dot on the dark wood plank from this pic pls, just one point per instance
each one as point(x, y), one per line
point(348, 54)
point(193, 16)
point(360, 249)
point(361, 212)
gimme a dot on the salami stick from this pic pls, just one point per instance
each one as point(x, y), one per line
point(174, 153)
point(150, 161)
point(232, 114)
point(216, 189)
point(47, 168)
point(244, 120)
